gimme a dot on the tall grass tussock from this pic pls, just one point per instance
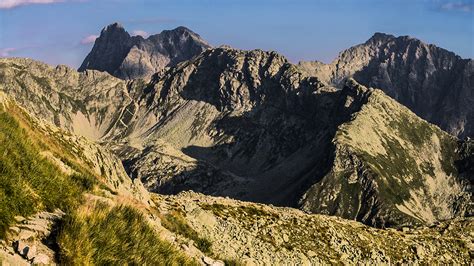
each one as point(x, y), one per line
point(103, 235)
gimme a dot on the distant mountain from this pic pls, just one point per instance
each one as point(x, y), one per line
point(434, 83)
point(131, 57)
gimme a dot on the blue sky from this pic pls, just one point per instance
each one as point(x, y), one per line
point(56, 31)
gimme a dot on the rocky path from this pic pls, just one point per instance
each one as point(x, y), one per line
point(31, 240)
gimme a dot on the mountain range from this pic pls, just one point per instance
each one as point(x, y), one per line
point(381, 136)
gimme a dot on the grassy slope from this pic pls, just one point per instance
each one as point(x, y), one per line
point(175, 222)
point(29, 182)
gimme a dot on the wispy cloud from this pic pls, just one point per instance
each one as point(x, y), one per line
point(89, 39)
point(7, 4)
point(4, 52)
point(142, 33)
point(458, 6)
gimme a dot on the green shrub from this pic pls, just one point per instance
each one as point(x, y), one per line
point(113, 236)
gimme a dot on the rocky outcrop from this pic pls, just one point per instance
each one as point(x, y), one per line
point(465, 166)
point(31, 240)
point(434, 83)
point(131, 57)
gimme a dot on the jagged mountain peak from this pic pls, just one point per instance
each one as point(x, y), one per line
point(112, 34)
point(116, 26)
point(391, 44)
point(234, 79)
point(380, 37)
point(180, 30)
point(433, 82)
point(127, 57)
point(235, 55)
point(226, 60)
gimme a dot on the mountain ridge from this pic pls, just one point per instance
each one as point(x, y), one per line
point(433, 82)
point(191, 228)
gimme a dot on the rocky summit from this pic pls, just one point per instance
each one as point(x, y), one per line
point(167, 151)
point(434, 83)
point(131, 57)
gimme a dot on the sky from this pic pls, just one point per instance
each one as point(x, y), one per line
point(63, 31)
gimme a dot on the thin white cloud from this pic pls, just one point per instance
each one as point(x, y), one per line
point(7, 4)
point(458, 6)
point(89, 39)
point(142, 33)
point(4, 52)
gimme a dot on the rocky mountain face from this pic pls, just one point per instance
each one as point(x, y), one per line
point(434, 83)
point(390, 164)
point(222, 109)
point(250, 125)
point(131, 57)
point(78, 102)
